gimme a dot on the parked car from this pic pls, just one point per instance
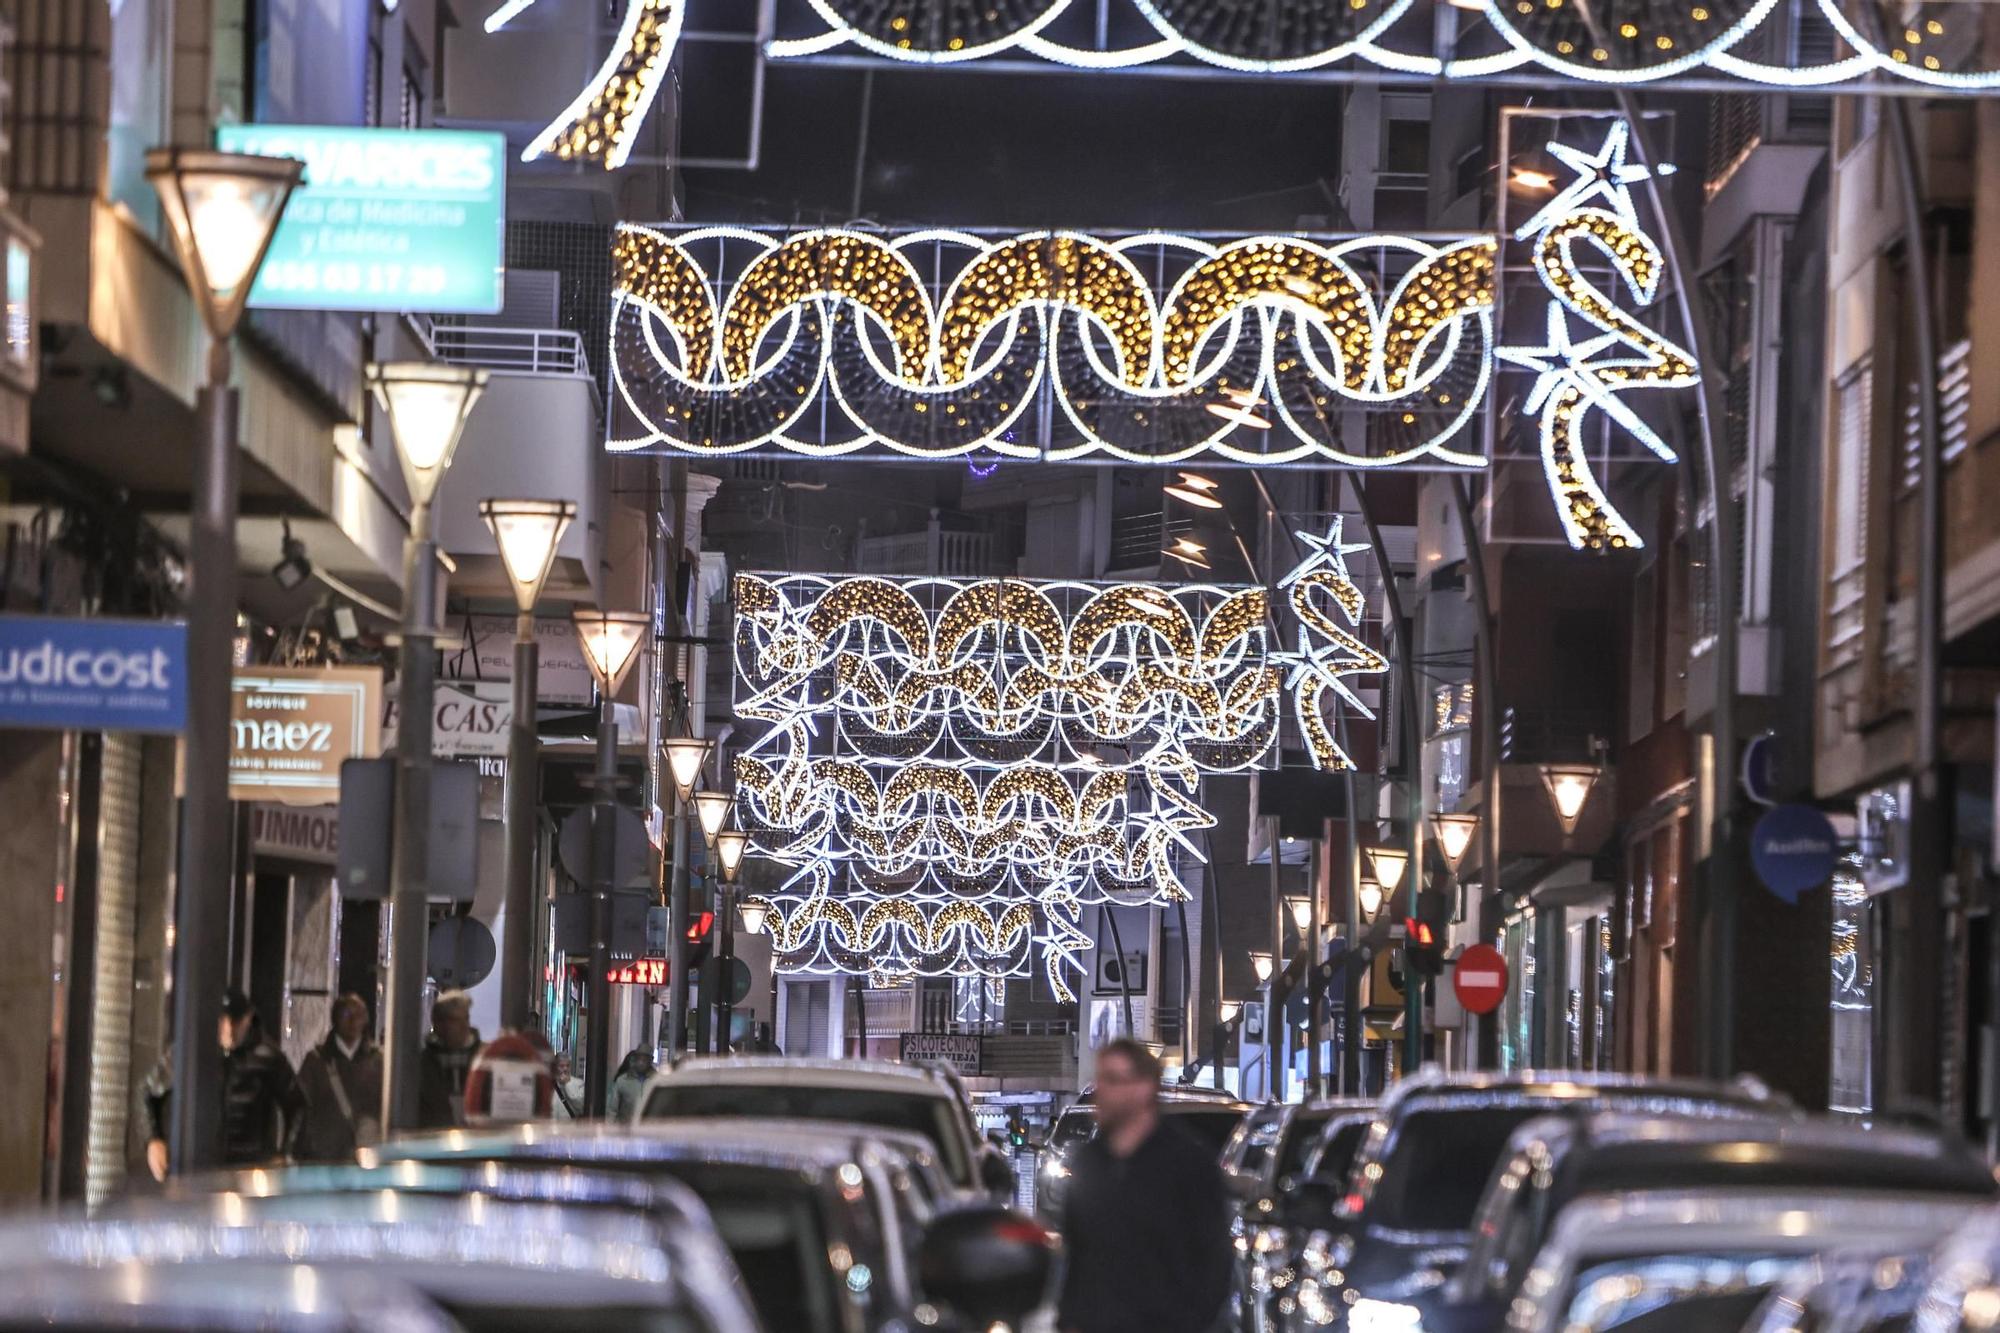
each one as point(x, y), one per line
point(493, 1267)
point(1554, 1162)
point(183, 1298)
point(1307, 1168)
point(826, 1221)
point(1210, 1118)
point(1863, 1290)
point(1399, 1225)
point(1962, 1290)
point(918, 1099)
point(1696, 1262)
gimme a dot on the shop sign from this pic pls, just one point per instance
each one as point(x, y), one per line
point(291, 728)
point(963, 1051)
point(562, 676)
point(384, 219)
point(469, 720)
point(93, 674)
point(309, 833)
point(1792, 849)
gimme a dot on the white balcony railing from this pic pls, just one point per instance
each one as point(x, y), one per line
point(519, 351)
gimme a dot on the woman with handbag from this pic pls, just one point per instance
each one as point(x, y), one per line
point(341, 1079)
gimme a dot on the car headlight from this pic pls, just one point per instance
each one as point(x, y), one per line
point(1370, 1316)
point(1326, 1254)
point(1055, 1169)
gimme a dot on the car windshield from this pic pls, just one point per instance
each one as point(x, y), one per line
point(1336, 1153)
point(1301, 1137)
point(932, 1116)
point(1072, 1127)
point(1673, 1293)
point(1212, 1125)
point(1438, 1164)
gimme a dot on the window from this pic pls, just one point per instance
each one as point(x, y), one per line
point(1406, 147)
point(1847, 535)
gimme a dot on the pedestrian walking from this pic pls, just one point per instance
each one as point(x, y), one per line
point(628, 1087)
point(447, 1058)
point(569, 1089)
point(341, 1080)
point(1144, 1220)
point(261, 1105)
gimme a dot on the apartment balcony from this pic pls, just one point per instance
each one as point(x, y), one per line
point(936, 551)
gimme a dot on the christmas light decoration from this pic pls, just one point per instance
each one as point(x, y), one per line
point(1372, 351)
point(600, 124)
point(1575, 376)
point(1635, 41)
point(954, 768)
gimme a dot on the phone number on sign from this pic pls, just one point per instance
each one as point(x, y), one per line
point(387, 279)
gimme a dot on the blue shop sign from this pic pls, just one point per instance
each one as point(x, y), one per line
point(93, 675)
point(1793, 850)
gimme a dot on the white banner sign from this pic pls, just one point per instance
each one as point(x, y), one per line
point(469, 720)
point(563, 677)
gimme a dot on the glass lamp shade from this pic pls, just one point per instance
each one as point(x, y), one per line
point(610, 642)
point(427, 404)
point(1302, 912)
point(751, 913)
point(685, 756)
point(1569, 789)
point(1194, 489)
point(1230, 1008)
point(527, 531)
point(730, 844)
point(1189, 552)
point(1454, 835)
point(223, 209)
point(1262, 964)
point(1388, 862)
point(1371, 899)
point(711, 811)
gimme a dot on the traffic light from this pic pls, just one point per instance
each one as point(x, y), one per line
point(1017, 1131)
point(1424, 946)
point(700, 936)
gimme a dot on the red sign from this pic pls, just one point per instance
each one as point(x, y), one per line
point(1480, 978)
point(641, 972)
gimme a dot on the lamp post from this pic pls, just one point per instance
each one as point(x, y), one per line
point(427, 406)
point(610, 642)
point(223, 209)
point(685, 757)
point(1569, 788)
point(1454, 836)
point(526, 532)
point(725, 915)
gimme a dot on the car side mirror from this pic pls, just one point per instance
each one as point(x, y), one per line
point(996, 1174)
point(987, 1265)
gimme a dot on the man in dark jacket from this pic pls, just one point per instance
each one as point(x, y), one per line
point(1145, 1222)
point(261, 1106)
point(447, 1060)
point(341, 1079)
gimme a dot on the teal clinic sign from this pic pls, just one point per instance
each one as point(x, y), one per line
point(384, 219)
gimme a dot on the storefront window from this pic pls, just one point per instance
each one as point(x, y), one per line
point(1851, 1065)
point(1517, 1010)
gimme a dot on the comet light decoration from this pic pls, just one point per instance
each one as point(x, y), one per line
point(1633, 42)
point(599, 125)
point(1371, 351)
point(952, 769)
point(1576, 377)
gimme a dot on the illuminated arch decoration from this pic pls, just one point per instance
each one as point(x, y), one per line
point(1592, 219)
point(1368, 351)
point(1635, 41)
point(954, 768)
point(599, 125)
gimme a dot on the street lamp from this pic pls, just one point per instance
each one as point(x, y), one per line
point(1262, 964)
point(526, 533)
point(1302, 912)
point(1371, 899)
point(610, 642)
point(1454, 835)
point(427, 406)
point(222, 209)
point(1194, 489)
point(711, 811)
point(1388, 861)
point(1229, 1010)
point(1569, 789)
point(752, 911)
point(685, 757)
point(730, 844)
point(1189, 552)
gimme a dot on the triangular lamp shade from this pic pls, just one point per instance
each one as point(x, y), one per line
point(611, 642)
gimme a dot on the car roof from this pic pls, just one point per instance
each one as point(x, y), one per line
point(275, 1297)
point(786, 1144)
point(795, 1071)
point(1431, 1085)
point(1799, 1220)
point(1609, 1137)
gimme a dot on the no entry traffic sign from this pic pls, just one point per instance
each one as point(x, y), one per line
point(1480, 978)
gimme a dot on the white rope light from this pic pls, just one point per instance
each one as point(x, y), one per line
point(1643, 41)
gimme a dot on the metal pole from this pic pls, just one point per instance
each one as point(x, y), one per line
point(1487, 699)
point(1273, 1087)
point(1315, 995)
point(677, 945)
point(517, 964)
point(725, 1002)
point(603, 854)
point(201, 899)
point(410, 889)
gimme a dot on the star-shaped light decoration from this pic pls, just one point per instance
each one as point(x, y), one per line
point(1604, 175)
point(1327, 653)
